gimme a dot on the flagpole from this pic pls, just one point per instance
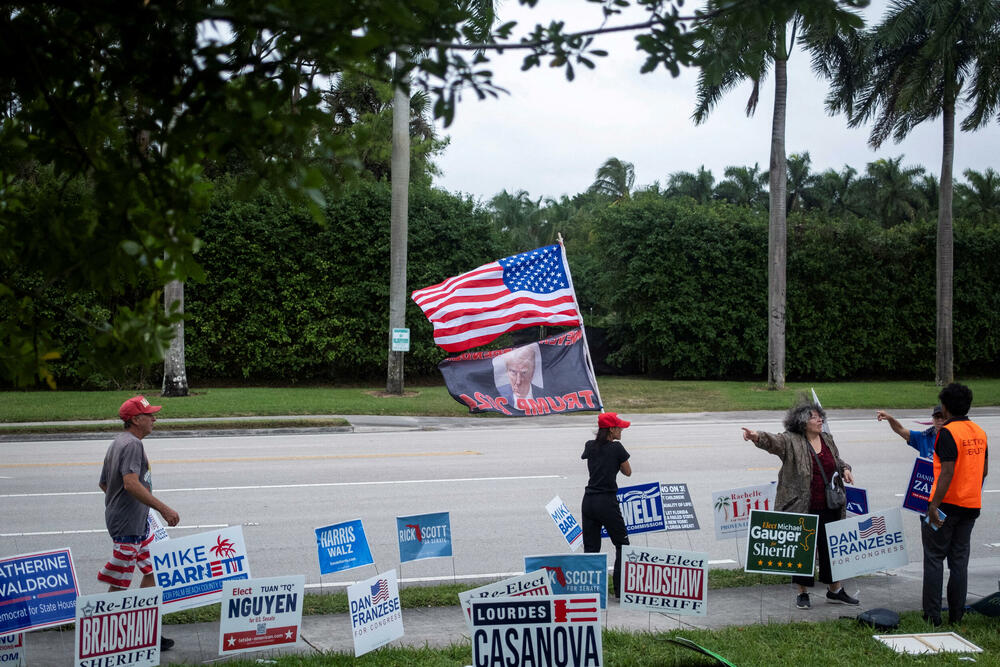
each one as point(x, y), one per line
point(583, 329)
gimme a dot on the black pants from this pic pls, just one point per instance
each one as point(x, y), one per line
point(822, 550)
point(601, 509)
point(951, 541)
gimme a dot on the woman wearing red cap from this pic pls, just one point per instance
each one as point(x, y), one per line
point(605, 458)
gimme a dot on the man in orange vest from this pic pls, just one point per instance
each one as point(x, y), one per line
point(960, 465)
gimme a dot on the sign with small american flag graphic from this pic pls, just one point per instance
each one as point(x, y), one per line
point(867, 543)
point(376, 617)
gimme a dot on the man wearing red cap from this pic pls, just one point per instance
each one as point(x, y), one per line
point(128, 497)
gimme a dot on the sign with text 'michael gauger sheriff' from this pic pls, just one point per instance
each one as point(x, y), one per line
point(37, 591)
point(192, 569)
point(641, 507)
point(342, 546)
point(260, 614)
point(555, 630)
point(781, 543)
point(869, 543)
point(119, 628)
point(529, 584)
point(732, 508)
point(664, 580)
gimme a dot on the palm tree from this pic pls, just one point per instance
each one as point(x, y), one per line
point(518, 218)
point(912, 68)
point(698, 186)
point(980, 198)
point(723, 504)
point(743, 46)
point(893, 191)
point(744, 186)
point(799, 179)
point(615, 178)
point(834, 192)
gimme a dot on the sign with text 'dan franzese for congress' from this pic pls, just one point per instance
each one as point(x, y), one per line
point(192, 569)
point(376, 618)
point(260, 614)
point(664, 580)
point(868, 543)
point(781, 543)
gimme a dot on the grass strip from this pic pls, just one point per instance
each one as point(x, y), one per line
point(227, 425)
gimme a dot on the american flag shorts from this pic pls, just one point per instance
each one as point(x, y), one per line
point(126, 555)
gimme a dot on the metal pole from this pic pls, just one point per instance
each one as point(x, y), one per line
point(583, 330)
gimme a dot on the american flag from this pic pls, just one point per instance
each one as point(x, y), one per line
point(380, 591)
point(512, 293)
point(873, 526)
point(576, 609)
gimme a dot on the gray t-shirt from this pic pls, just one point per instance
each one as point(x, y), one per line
point(123, 514)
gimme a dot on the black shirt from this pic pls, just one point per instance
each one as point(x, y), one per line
point(603, 462)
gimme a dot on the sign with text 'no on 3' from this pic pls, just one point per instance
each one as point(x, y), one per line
point(261, 614)
point(37, 591)
point(119, 628)
point(342, 546)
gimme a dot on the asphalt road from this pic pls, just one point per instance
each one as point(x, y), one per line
point(495, 479)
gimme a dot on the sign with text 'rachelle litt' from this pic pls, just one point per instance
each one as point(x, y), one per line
point(191, 570)
point(732, 508)
point(781, 543)
point(37, 591)
point(664, 580)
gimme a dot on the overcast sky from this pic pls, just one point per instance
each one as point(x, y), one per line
point(549, 136)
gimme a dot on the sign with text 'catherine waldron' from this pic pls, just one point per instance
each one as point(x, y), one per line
point(118, 628)
point(565, 522)
point(342, 546)
point(864, 544)
point(527, 584)
point(191, 570)
point(781, 543)
point(37, 591)
point(641, 507)
point(664, 580)
point(260, 614)
point(424, 536)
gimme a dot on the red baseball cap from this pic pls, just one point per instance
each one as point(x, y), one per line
point(611, 420)
point(137, 405)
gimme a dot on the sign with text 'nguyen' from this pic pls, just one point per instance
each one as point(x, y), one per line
point(342, 546)
point(664, 580)
point(869, 543)
point(732, 508)
point(642, 508)
point(37, 591)
point(781, 543)
point(119, 628)
point(260, 614)
point(192, 569)
point(424, 536)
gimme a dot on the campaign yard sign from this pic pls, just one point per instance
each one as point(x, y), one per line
point(732, 508)
point(342, 546)
point(12, 651)
point(857, 500)
point(192, 570)
point(527, 584)
point(424, 536)
point(678, 509)
point(156, 527)
point(864, 544)
point(642, 508)
point(37, 591)
point(376, 618)
point(537, 631)
point(664, 580)
point(119, 628)
point(261, 614)
point(781, 543)
point(571, 574)
point(918, 491)
point(565, 522)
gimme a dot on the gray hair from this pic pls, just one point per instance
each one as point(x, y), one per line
point(798, 415)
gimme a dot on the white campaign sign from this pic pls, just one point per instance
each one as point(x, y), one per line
point(565, 522)
point(12, 650)
point(260, 614)
point(192, 570)
point(732, 508)
point(120, 628)
point(867, 543)
point(664, 580)
point(530, 583)
point(156, 526)
point(376, 618)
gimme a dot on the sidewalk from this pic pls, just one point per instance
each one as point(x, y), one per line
point(198, 643)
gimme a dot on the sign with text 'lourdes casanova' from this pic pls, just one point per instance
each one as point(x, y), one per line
point(529, 584)
point(342, 546)
point(261, 614)
point(192, 569)
point(119, 628)
point(869, 543)
point(424, 536)
point(664, 580)
point(37, 591)
point(781, 543)
point(642, 508)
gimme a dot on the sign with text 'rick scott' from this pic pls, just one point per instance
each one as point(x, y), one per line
point(191, 570)
point(342, 546)
point(732, 508)
point(571, 574)
point(642, 508)
point(664, 580)
point(120, 628)
point(527, 584)
point(424, 536)
point(376, 618)
point(781, 543)
point(565, 522)
point(261, 614)
point(37, 591)
point(869, 543)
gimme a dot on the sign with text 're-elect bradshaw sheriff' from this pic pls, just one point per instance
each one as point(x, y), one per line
point(192, 569)
point(732, 508)
point(12, 651)
point(376, 618)
point(424, 536)
point(642, 508)
point(565, 522)
point(664, 580)
point(37, 591)
point(781, 543)
point(556, 630)
point(261, 614)
point(119, 628)
point(527, 584)
point(572, 574)
point(342, 546)
point(869, 543)
point(918, 491)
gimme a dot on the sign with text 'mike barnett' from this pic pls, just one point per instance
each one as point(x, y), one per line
point(572, 574)
point(642, 508)
point(664, 580)
point(527, 584)
point(12, 652)
point(565, 522)
point(424, 536)
point(376, 618)
point(732, 508)
point(342, 546)
point(119, 628)
point(192, 569)
point(918, 491)
point(781, 543)
point(37, 591)
point(863, 544)
point(260, 614)
point(556, 630)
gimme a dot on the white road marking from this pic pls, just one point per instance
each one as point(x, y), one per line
point(104, 530)
point(291, 486)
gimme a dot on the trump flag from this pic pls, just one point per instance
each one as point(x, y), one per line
point(516, 292)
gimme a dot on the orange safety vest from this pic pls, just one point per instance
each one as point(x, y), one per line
point(966, 488)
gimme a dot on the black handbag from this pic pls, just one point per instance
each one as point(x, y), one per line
point(836, 496)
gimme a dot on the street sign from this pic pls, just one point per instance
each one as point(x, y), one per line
point(400, 340)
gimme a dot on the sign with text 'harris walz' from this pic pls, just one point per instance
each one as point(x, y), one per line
point(555, 630)
point(37, 591)
point(864, 544)
point(260, 614)
point(642, 508)
point(664, 580)
point(529, 584)
point(192, 569)
point(565, 522)
point(342, 546)
point(918, 492)
point(678, 508)
point(573, 574)
point(118, 628)
point(424, 536)
point(376, 616)
point(732, 508)
point(781, 543)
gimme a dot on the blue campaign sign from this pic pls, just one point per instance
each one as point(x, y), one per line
point(571, 574)
point(37, 591)
point(565, 522)
point(342, 546)
point(642, 508)
point(918, 491)
point(857, 500)
point(424, 536)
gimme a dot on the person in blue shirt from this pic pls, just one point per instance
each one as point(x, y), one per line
point(922, 441)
